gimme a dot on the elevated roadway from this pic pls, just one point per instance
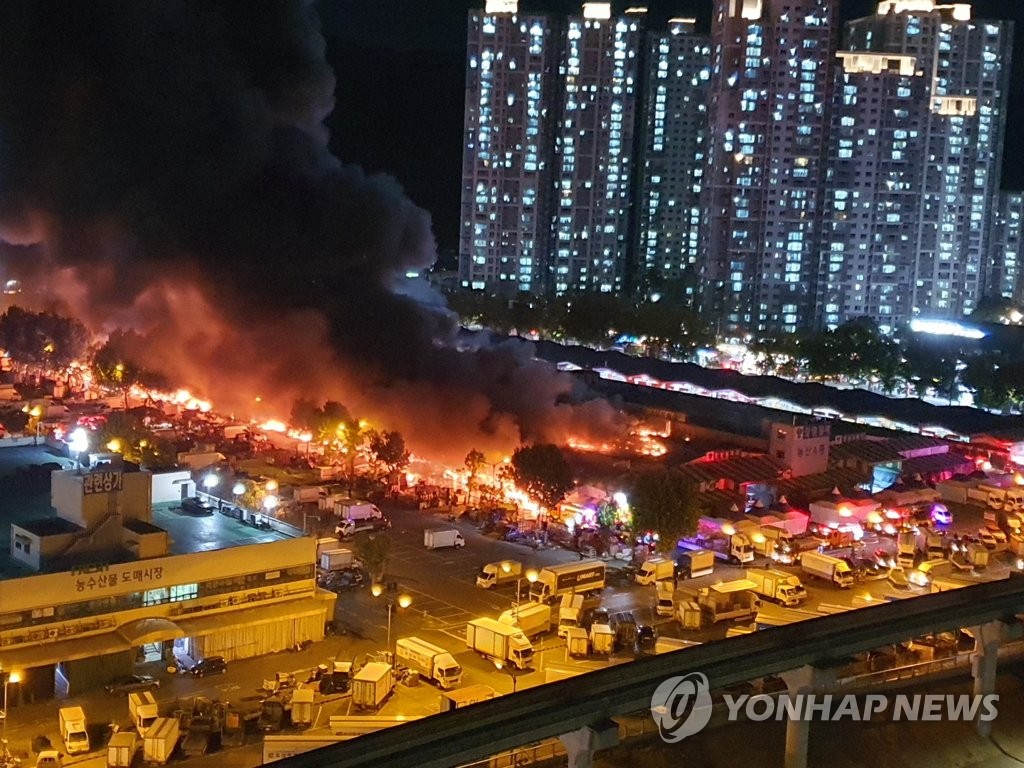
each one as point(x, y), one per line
point(561, 708)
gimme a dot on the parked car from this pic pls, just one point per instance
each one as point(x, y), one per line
point(193, 506)
point(122, 686)
point(211, 665)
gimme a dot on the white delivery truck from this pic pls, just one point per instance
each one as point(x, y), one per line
point(493, 574)
point(577, 642)
point(121, 749)
point(664, 602)
point(783, 588)
point(431, 661)
point(602, 639)
point(573, 611)
point(73, 730)
point(655, 569)
point(337, 559)
point(143, 710)
point(533, 618)
point(587, 576)
point(160, 741)
point(463, 697)
point(443, 537)
point(699, 562)
point(372, 685)
point(348, 509)
point(499, 642)
point(833, 569)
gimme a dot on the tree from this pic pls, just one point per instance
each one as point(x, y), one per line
point(42, 338)
point(588, 317)
point(474, 460)
point(665, 502)
point(388, 448)
point(542, 471)
point(114, 365)
point(374, 549)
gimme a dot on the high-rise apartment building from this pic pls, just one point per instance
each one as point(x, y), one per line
point(507, 168)
point(600, 87)
point(944, 136)
point(675, 135)
point(1006, 242)
point(768, 114)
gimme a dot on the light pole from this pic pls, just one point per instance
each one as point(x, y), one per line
point(403, 601)
point(510, 671)
point(531, 576)
point(10, 677)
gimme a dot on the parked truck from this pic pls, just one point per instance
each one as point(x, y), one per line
point(931, 544)
point(347, 528)
point(577, 642)
point(499, 642)
point(732, 548)
point(350, 509)
point(586, 576)
point(574, 611)
point(160, 741)
point(699, 562)
point(655, 569)
point(463, 697)
point(822, 566)
point(143, 710)
point(906, 549)
point(372, 685)
point(431, 661)
point(121, 749)
point(533, 619)
point(602, 639)
point(73, 730)
point(300, 707)
point(337, 559)
point(783, 588)
point(308, 493)
point(495, 574)
point(443, 537)
point(729, 601)
point(664, 602)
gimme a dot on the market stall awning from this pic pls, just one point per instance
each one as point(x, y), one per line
point(154, 630)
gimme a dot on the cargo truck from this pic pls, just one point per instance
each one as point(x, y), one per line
point(372, 685)
point(532, 618)
point(833, 569)
point(495, 574)
point(730, 601)
point(783, 588)
point(444, 537)
point(931, 545)
point(655, 569)
point(121, 749)
point(906, 549)
point(577, 642)
point(463, 697)
point(574, 611)
point(337, 559)
point(143, 710)
point(308, 493)
point(160, 740)
point(499, 642)
point(431, 661)
point(691, 565)
point(664, 603)
point(587, 576)
point(346, 529)
point(722, 538)
point(602, 639)
point(73, 730)
point(349, 509)
point(301, 707)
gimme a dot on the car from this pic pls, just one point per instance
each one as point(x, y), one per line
point(197, 507)
point(211, 665)
point(122, 686)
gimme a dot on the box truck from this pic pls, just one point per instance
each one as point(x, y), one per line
point(301, 707)
point(833, 569)
point(160, 741)
point(431, 661)
point(700, 562)
point(73, 730)
point(532, 618)
point(346, 529)
point(121, 749)
point(372, 685)
point(656, 569)
point(444, 537)
point(557, 580)
point(729, 601)
point(463, 697)
point(577, 642)
point(349, 509)
point(783, 588)
point(337, 559)
point(494, 574)
point(143, 710)
point(499, 642)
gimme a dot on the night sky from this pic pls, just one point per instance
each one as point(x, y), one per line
point(401, 86)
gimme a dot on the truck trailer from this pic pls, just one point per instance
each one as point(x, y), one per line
point(587, 576)
point(431, 661)
point(499, 642)
point(833, 569)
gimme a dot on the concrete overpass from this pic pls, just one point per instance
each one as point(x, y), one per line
point(578, 709)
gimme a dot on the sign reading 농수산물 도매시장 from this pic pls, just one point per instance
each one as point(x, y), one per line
point(103, 576)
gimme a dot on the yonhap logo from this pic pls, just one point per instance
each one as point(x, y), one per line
point(681, 706)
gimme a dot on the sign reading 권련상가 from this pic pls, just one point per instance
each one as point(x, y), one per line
point(102, 482)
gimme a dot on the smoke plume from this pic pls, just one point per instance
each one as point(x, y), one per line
point(165, 167)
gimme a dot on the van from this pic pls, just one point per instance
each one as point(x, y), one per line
point(211, 665)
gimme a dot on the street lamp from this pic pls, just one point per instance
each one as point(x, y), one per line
point(79, 444)
point(238, 489)
point(211, 481)
point(403, 600)
point(531, 576)
point(10, 677)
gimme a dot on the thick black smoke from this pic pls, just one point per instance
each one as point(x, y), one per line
point(162, 152)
